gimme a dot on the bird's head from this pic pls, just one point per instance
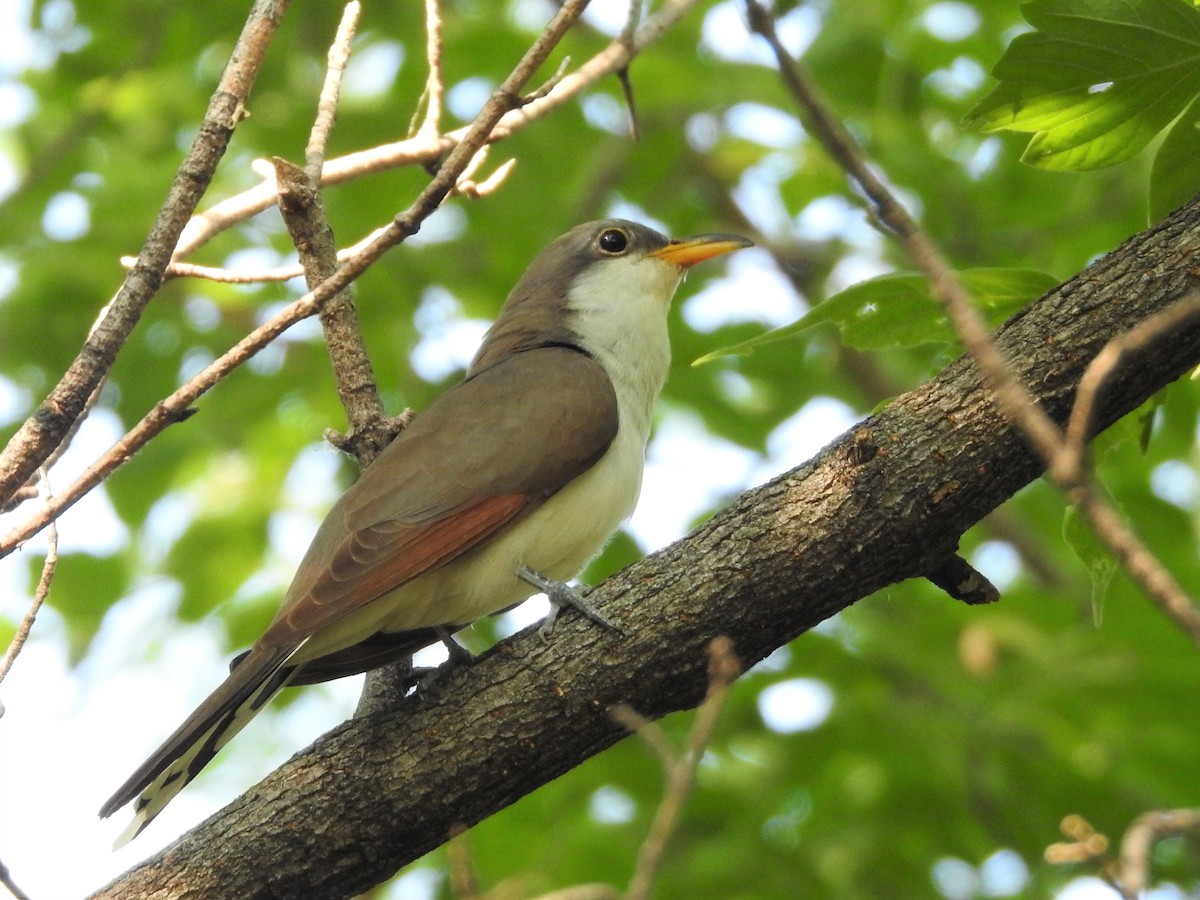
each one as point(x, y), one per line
point(601, 284)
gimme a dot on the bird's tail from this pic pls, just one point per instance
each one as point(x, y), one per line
point(226, 711)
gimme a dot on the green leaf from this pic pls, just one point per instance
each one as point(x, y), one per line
point(1094, 554)
point(1175, 175)
point(1096, 81)
point(896, 311)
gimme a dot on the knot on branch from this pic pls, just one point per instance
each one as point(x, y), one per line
point(366, 443)
point(962, 581)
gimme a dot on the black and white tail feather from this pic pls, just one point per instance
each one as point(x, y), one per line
point(253, 682)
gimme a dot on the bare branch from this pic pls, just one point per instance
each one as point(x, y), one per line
point(304, 214)
point(723, 668)
point(431, 125)
point(478, 190)
point(1133, 872)
point(7, 880)
point(175, 408)
point(40, 594)
point(228, 276)
point(45, 429)
point(339, 55)
point(419, 150)
point(1101, 368)
point(465, 186)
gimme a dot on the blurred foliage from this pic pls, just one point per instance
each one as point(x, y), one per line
point(898, 311)
point(955, 733)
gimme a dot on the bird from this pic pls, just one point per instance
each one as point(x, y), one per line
point(506, 485)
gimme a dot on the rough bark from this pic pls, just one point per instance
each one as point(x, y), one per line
point(885, 502)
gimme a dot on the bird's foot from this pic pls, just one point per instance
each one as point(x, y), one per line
point(458, 656)
point(562, 595)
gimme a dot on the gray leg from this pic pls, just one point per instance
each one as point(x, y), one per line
point(562, 594)
point(459, 655)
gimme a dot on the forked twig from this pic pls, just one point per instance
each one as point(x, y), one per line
point(177, 406)
point(1129, 873)
point(43, 431)
point(420, 150)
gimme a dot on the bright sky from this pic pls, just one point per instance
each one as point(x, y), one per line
point(71, 734)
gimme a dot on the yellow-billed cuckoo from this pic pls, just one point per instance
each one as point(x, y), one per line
point(507, 484)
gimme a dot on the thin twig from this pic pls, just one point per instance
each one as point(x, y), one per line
point(626, 37)
point(723, 668)
point(43, 431)
point(431, 125)
point(419, 150)
point(465, 186)
point(304, 215)
point(1112, 355)
point(1133, 873)
point(477, 190)
point(308, 225)
point(177, 406)
point(649, 731)
point(476, 163)
point(228, 276)
point(461, 876)
point(1012, 397)
point(1129, 874)
point(339, 55)
point(43, 588)
point(7, 880)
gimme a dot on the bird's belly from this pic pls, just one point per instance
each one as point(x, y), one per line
point(557, 539)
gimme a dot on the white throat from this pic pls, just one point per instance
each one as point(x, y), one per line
point(619, 310)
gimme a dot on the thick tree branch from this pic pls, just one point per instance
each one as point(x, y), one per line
point(46, 428)
point(885, 502)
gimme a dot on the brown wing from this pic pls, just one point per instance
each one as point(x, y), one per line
point(484, 454)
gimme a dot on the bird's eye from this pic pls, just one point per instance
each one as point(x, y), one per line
point(613, 241)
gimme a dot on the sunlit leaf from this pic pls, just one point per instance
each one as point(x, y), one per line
point(898, 311)
point(1094, 554)
point(1096, 80)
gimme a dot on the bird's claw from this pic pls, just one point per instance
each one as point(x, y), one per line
point(563, 595)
